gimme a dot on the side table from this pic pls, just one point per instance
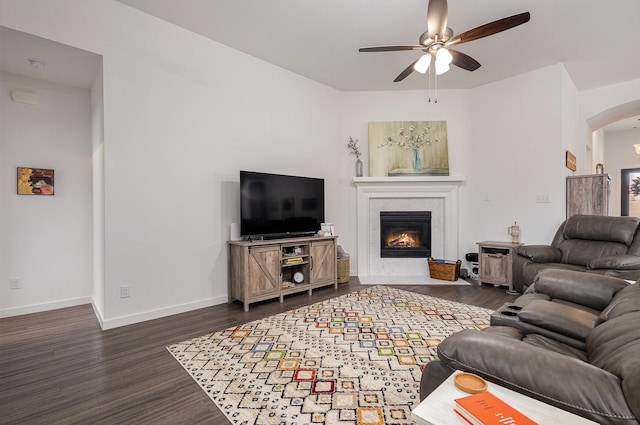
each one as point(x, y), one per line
point(437, 408)
point(495, 263)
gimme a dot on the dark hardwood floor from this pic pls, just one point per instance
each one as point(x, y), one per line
point(59, 367)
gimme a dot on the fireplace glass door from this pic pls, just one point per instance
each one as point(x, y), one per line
point(405, 234)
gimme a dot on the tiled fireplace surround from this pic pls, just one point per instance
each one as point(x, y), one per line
point(438, 194)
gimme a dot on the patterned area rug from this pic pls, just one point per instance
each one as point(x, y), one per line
point(354, 359)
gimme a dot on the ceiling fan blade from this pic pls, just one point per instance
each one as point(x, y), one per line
point(404, 74)
point(464, 61)
point(490, 28)
point(437, 13)
point(389, 48)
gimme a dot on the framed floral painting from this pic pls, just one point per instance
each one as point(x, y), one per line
point(35, 181)
point(408, 148)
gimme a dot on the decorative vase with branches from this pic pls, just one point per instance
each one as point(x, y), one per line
point(354, 150)
point(410, 141)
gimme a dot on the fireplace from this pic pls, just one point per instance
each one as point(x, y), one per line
point(405, 234)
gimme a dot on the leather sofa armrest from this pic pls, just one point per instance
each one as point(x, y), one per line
point(616, 262)
point(538, 373)
point(540, 253)
point(588, 289)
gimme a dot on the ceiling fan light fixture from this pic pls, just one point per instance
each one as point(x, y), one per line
point(443, 56)
point(441, 67)
point(423, 63)
point(438, 36)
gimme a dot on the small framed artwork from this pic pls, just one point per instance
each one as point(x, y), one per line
point(328, 229)
point(35, 181)
point(571, 161)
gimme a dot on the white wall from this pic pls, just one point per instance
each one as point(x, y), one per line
point(183, 114)
point(518, 153)
point(619, 154)
point(46, 240)
point(97, 167)
point(598, 140)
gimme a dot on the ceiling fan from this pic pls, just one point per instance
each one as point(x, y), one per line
point(437, 41)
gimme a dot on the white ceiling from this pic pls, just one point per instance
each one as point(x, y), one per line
point(598, 41)
point(64, 64)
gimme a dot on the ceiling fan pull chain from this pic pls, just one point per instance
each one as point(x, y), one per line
point(436, 89)
point(429, 78)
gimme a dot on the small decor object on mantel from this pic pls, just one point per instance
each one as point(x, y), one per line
point(353, 145)
point(35, 181)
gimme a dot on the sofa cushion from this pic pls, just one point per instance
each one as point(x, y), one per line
point(620, 262)
point(554, 345)
point(625, 301)
point(614, 346)
point(581, 251)
point(565, 320)
point(590, 290)
point(602, 228)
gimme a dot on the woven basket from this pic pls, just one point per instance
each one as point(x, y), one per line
point(444, 271)
point(343, 269)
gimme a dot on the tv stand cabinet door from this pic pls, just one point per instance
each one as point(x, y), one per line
point(264, 271)
point(254, 272)
point(323, 263)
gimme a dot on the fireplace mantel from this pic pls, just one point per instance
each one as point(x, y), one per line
point(359, 181)
point(444, 188)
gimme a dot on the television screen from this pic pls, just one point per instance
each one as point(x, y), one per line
point(279, 205)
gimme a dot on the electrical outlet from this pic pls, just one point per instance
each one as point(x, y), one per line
point(125, 291)
point(543, 199)
point(15, 283)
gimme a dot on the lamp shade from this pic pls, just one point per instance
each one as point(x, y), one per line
point(441, 67)
point(423, 64)
point(444, 56)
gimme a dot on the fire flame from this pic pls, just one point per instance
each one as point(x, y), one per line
point(403, 240)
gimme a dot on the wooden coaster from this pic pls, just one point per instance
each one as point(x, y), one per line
point(470, 383)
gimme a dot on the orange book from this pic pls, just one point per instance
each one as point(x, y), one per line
point(463, 418)
point(486, 409)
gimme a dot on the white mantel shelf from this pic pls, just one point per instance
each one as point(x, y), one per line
point(409, 179)
point(444, 188)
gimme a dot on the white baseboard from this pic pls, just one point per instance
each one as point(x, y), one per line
point(163, 312)
point(37, 308)
point(98, 314)
point(407, 280)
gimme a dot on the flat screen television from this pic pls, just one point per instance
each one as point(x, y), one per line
point(275, 205)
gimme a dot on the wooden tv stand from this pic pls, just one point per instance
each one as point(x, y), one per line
point(260, 270)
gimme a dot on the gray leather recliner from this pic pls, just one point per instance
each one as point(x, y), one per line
point(572, 341)
point(595, 244)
